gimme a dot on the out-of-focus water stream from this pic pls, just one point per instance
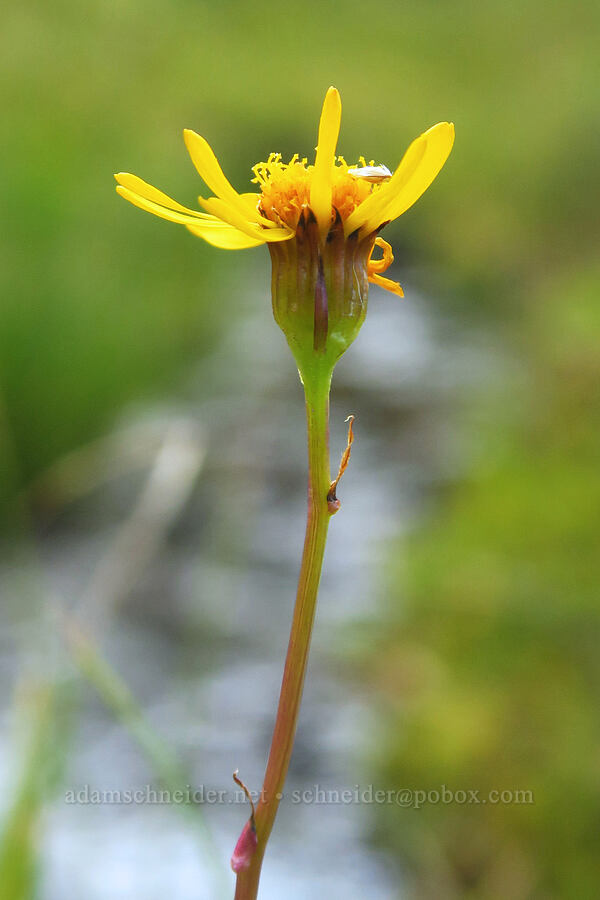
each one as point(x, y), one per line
point(199, 630)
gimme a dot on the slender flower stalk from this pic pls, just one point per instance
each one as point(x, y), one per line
point(317, 417)
point(321, 224)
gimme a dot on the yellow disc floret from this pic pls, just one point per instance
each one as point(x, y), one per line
point(285, 189)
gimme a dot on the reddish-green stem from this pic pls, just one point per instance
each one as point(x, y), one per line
point(316, 388)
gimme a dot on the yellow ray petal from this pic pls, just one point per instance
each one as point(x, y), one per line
point(210, 171)
point(329, 129)
point(387, 284)
point(418, 168)
point(148, 192)
point(439, 141)
point(251, 200)
point(227, 213)
point(224, 236)
point(162, 211)
point(372, 207)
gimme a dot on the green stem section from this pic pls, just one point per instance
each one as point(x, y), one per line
point(316, 389)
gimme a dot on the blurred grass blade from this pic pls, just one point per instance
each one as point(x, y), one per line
point(167, 769)
point(19, 833)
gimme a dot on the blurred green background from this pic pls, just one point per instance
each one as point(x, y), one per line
point(480, 646)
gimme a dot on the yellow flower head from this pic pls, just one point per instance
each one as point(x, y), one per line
point(363, 199)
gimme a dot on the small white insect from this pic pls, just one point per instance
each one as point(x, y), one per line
point(372, 174)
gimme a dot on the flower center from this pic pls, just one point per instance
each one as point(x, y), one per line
point(285, 188)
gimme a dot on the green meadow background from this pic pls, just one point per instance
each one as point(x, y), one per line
point(481, 650)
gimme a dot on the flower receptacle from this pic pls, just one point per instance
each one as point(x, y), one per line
point(320, 290)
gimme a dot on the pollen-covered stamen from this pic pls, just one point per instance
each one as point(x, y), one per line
point(285, 189)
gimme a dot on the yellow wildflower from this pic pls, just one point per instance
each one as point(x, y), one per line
point(336, 197)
